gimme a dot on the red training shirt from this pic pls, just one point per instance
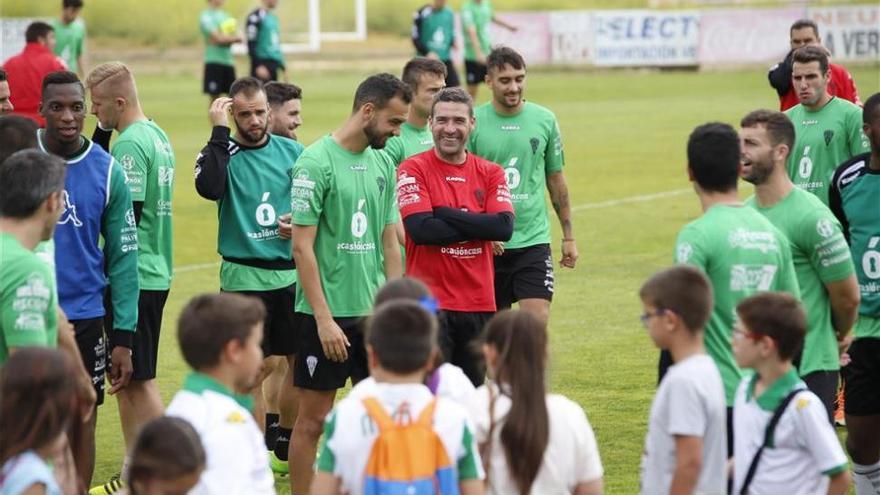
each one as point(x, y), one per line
point(840, 85)
point(25, 73)
point(461, 276)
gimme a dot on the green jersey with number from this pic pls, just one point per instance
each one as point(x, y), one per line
point(742, 253)
point(257, 193)
point(411, 141)
point(824, 139)
point(854, 199)
point(211, 21)
point(350, 198)
point(28, 299)
point(820, 255)
point(477, 15)
point(529, 147)
point(146, 156)
point(70, 42)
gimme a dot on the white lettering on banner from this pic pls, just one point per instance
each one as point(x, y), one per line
point(572, 37)
point(641, 37)
point(745, 36)
point(849, 32)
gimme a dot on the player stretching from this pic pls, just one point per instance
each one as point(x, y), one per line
point(147, 159)
point(854, 194)
point(453, 205)
point(345, 246)
point(524, 139)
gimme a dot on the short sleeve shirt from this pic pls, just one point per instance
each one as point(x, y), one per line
point(411, 141)
point(70, 42)
point(211, 21)
point(350, 198)
point(26, 470)
point(461, 275)
point(28, 299)
point(689, 402)
point(820, 255)
point(477, 15)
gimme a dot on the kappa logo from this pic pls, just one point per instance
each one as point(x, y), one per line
point(828, 135)
point(311, 364)
point(69, 213)
point(534, 142)
point(824, 227)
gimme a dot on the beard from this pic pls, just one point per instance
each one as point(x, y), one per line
point(246, 135)
point(375, 139)
point(759, 173)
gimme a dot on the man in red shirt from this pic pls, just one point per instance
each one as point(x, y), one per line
point(26, 70)
point(453, 205)
point(805, 33)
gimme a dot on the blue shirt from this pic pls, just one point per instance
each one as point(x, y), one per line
point(25, 470)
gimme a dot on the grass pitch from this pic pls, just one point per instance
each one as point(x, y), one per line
point(624, 135)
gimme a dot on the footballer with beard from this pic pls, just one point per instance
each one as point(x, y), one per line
point(249, 175)
point(524, 138)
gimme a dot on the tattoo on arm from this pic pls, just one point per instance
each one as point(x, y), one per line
point(561, 204)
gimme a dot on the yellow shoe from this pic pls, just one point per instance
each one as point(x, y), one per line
point(278, 466)
point(113, 485)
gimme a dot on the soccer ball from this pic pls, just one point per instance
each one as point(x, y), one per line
point(229, 26)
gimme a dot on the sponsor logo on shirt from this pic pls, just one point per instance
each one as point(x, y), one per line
point(509, 127)
point(163, 208)
point(455, 178)
point(358, 167)
point(404, 178)
point(534, 142)
point(163, 147)
point(751, 277)
point(69, 213)
point(828, 135)
point(683, 252)
point(824, 227)
point(749, 239)
point(30, 322)
point(380, 181)
point(166, 176)
point(809, 122)
point(456, 252)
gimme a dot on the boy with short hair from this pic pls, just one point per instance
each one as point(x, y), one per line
point(401, 345)
point(70, 36)
point(220, 337)
point(800, 454)
point(686, 445)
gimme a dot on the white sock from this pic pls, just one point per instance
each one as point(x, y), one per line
point(866, 478)
point(123, 475)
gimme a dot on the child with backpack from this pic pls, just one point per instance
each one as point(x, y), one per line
point(219, 336)
point(783, 442)
point(398, 438)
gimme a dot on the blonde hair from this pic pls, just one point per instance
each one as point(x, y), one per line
point(115, 74)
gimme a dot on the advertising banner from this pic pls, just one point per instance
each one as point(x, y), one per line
point(531, 38)
point(849, 32)
point(572, 37)
point(736, 36)
point(644, 37)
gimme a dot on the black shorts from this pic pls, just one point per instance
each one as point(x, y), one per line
point(460, 334)
point(451, 75)
point(824, 385)
point(475, 71)
point(523, 273)
point(145, 350)
point(280, 330)
point(314, 370)
point(861, 378)
point(271, 65)
point(93, 349)
point(218, 78)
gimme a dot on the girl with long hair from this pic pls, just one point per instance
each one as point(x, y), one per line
point(39, 401)
point(167, 458)
point(532, 442)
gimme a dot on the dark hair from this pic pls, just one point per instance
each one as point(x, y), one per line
point(402, 288)
point(520, 340)
point(167, 448)
point(39, 399)
point(379, 89)
point(807, 54)
point(27, 178)
point(245, 85)
point(503, 55)
point(685, 291)
point(415, 68)
point(777, 315)
point(210, 321)
point(76, 4)
point(870, 111)
point(16, 133)
point(62, 77)
point(279, 93)
point(2, 74)
point(713, 156)
point(778, 126)
point(804, 23)
point(454, 95)
point(37, 30)
point(403, 335)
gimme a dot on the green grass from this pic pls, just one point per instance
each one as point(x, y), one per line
point(624, 135)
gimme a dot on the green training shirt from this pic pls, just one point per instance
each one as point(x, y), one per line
point(210, 21)
point(146, 156)
point(820, 255)
point(264, 36)
point(411, 141)
point(438, 32)
point(529, 147)
point(479, 16)
point(742, 253)
point(70, 42)
point(824, 139)
point(28, 299)
point(350, 197)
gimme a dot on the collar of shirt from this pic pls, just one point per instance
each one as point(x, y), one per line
point(777, 390)
point(197, 383)
point(36, 48)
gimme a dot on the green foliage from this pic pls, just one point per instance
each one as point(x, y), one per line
point(624, 135)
